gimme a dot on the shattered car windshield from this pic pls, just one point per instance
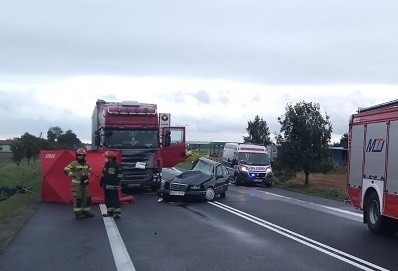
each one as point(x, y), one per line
point(204, 167)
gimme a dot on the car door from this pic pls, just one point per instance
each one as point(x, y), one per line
point(220, 178)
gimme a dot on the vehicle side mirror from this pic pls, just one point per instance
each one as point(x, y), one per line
point(229, 160)
point(167, 139)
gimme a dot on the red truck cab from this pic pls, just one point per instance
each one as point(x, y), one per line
point(133, 129)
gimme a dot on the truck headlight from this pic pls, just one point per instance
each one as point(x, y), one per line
point(268, 170)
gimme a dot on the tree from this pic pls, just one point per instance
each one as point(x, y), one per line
point(18, 151)
point(304, 138)
point(343, 142)
point(54, 133)
point(69, 140)
point(31, 146)
point(258, 132)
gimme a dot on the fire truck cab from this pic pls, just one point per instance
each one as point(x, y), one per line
point(373, 165)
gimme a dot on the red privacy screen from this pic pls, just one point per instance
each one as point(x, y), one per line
point(56, 186)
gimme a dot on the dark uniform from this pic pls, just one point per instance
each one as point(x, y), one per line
point(110, 182)
point(80, 171)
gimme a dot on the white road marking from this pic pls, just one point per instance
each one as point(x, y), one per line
point(315, 204)
point(338, 254)
point(119, 251)
point(318, 206)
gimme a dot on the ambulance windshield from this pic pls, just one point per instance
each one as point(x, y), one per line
point(254, 158)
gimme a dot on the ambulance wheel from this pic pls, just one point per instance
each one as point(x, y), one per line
point(374, 219)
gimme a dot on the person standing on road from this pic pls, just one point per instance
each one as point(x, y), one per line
point(110, 181)
point(79, 171)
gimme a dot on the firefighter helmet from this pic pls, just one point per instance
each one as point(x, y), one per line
point(80, 151)
point(110, 154)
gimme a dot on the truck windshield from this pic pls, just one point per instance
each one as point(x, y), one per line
point(254, 158)
point(131, 139)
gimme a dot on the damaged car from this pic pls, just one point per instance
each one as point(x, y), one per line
point(206, 180)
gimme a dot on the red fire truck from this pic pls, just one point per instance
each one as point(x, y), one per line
point(146, 146)
point(373, 165)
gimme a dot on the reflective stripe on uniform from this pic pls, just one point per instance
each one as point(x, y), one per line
point(111, 187)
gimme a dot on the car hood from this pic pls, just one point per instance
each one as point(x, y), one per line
point(191, 178)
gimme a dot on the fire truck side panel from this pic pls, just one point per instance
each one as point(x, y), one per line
point(356, 156)
point(391, 203)
point(392, 164)
point(375, 151)
point(355, 196)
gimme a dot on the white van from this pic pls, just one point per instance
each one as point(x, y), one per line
point(247, 163)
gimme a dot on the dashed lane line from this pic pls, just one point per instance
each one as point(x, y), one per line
point(119, 251)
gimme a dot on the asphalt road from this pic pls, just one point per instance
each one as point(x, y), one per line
point(253, 228)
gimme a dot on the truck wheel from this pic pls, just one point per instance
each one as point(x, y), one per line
point(374, 219)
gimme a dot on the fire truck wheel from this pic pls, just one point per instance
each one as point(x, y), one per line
point(373, 217)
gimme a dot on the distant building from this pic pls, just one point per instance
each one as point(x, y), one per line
point(214, 148)
point(5, 146)
point(339, 155)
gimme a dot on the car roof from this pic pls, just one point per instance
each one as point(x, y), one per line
point(209, 161)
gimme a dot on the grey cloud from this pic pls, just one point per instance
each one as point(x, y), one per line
point(202, 97)
point(262, 41)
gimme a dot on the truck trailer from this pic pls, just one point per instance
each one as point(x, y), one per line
point(146, 146)
point(373, 165)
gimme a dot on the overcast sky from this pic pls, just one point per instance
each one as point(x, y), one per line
point(213, 65)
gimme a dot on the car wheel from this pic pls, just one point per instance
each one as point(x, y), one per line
point(222, 195)
point(372, 212)
point(236, 180)
point(210, 194)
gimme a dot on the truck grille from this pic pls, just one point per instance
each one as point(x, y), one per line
point(131, 174)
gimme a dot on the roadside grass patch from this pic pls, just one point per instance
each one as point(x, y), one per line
point(18, 209)
point(332, 185)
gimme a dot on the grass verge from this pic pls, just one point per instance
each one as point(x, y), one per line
point(16, 211)
point(331, 185)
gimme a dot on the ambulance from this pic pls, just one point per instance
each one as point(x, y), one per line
point(247, 163)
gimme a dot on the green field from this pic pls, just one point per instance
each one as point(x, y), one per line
point(17, 209)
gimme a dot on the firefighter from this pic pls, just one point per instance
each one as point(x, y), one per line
point(79, 171)
point(110, 181)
